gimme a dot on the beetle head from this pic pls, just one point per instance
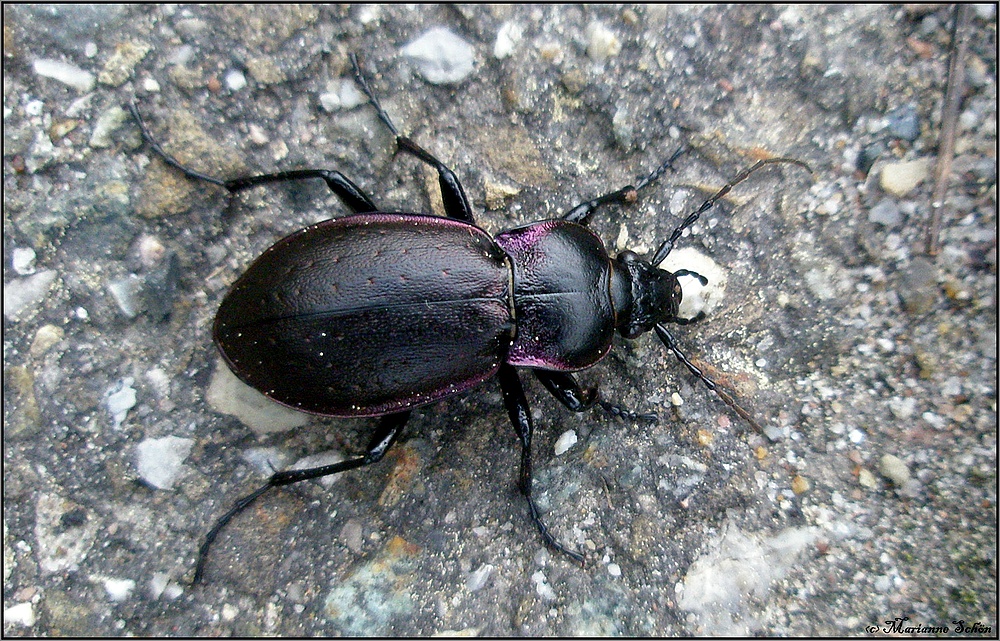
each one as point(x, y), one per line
point(644, 295)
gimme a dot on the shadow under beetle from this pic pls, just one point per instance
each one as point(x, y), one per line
point(376, 313)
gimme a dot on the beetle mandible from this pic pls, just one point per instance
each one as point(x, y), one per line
point(442, 307)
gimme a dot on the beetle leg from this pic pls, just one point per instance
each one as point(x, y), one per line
point(520, 417)
point(700, 316)
point(628, 415)
point(671, 344)
point(566, 390)
point(388, 430)
point(456, 203)
point(347, 191)
point(624, 196)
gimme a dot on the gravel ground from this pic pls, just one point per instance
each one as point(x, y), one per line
point(871, 498)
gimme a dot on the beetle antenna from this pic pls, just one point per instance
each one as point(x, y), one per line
point(664, 335)
point(668, 245)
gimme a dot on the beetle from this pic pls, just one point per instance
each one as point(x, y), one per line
point(376, 313)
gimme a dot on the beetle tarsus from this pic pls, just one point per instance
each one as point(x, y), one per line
point(351, 195)
point(624, 196)
point(167, 158)
point(239, 506)
point(628, 415)
point(363, 83)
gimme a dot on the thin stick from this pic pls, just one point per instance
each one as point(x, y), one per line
point(949, 116)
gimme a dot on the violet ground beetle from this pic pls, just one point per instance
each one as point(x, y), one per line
point(375, 313)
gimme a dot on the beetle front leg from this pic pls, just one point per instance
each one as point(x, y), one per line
point(520, 418)
point(568, 392)
point(388, 431)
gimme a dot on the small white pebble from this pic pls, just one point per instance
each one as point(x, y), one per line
point(441, 57)
point(34, 108)
point(21, 296)
point(369, 13)
point(602, 43)
point(477, 580)
point(119, 399)
point(23, 260)
point(901, 178)
point(543, 589)
point(507, 38)
point(157, 584)
point(159, 381)
point(258, 136)
point(235, 80)
point(342, 93)
point(160, 461)
point(118, 589)
point(21, 614)
point(65, 73)
point(894, 469)
point(565, 441)
point(934, 420)
point(622, 241)
point(151, 250)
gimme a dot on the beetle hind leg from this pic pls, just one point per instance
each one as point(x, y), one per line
point(520, 417)
point(387, 432)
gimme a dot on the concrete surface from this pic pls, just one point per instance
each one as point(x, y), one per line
point(872, 367)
